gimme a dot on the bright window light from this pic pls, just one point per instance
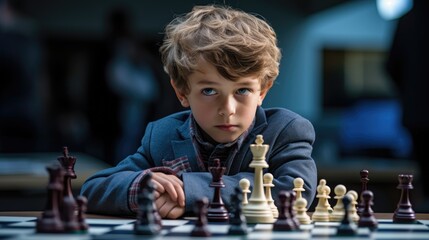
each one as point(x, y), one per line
point(392, 9)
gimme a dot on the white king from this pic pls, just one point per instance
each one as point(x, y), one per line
point(258, 210)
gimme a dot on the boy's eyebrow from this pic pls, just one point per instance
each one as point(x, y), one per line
point(207, 82)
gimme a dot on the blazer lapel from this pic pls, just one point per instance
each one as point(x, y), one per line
point(185, 147)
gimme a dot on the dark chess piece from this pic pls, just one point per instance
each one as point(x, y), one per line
point(404, 212)
point(347, 227)
point(67, 162)
point(147, 183)
point(292, 211)
point(364, 180)
point(71, 224)
point(367, 218)
point(216, 210)
point(284, 221)
point(237, 220)
point(146, 223)
point(50, 221)
point(200, 229)
point(81, 218)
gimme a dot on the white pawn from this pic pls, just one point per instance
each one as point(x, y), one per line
point(338, 212)
point(321, 213)
point(353, 206)
point(244, 185)
point(301, 211)
point(298, 184)
point(268, 184)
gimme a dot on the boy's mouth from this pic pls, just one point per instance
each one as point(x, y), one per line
point(226, 127)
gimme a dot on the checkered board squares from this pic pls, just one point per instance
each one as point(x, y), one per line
point(24, 228)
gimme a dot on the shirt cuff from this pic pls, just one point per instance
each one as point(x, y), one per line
point(134, 192)
point(135, 186)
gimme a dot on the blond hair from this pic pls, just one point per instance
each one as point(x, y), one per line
point(238, 44)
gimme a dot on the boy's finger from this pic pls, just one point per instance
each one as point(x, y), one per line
point(171, 190)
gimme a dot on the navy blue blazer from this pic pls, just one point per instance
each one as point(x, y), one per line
point(289, 135)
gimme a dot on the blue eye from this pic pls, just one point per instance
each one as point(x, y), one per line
point(243, 91)
point(208, 91)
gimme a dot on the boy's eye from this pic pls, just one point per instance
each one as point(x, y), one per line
point(208, 91)
point(243, 91)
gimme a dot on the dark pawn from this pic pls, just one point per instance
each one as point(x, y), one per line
point(364, 180)
point(404, 213)
point(81, 218)
point(216, 211)
point(50, 221)
point(284, 221)
point(146, 183)
point(146, 223)
point(71, 224)
point(237, 219)
point(292, 211)
point(367, 218)
point(346, 227)
point(200, 229)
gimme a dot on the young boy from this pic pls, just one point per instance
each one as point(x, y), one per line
point(221, 62)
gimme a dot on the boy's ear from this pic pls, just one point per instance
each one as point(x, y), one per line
point(181, 96)
point(262, 96)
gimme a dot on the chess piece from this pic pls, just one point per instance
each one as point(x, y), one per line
point(50, 221)
point(148, 220)
point(268, 184)
point(292, 212)
point(67, 162)
point(216, 211)
point(353, 209)
point(301, 211)
point(338, 214)
point(284, 222)
point(200, 229)
point(298, 184)
point(81, 218)
point(146, 183)
point(364, 180)
point(237, 220)
point(71, 224)
point(257, 209)
point(346, 227)
point(244, 185)
point(404, 212)
point(321, 213)
point(367, 218)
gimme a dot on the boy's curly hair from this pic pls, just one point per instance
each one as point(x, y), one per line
point(238, 44)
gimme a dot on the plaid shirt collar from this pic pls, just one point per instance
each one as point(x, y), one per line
point(201, 144)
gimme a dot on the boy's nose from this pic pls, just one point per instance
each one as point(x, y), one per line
point(228, 107)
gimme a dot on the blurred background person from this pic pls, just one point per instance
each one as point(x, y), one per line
point(131, 77)
point(22, 91)
point(408, 66)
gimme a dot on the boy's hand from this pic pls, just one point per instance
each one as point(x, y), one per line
point(168, 208)
point(169, 184)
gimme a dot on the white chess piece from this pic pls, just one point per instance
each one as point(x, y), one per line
point(257, 210)
point(268, 184)
point(321, 213)
point(244, 185)
point(353, 206)
point(301, 211)
point(298, 184)
point(338, 213)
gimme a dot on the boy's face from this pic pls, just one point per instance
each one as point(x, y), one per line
point(223, 109)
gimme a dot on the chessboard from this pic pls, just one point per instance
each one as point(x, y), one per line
point(21, 227)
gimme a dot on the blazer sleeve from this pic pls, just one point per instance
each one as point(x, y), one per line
point(107, 190)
